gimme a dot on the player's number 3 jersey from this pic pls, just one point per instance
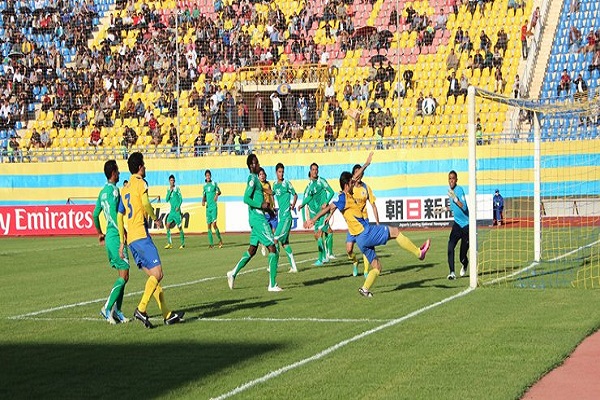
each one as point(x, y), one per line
point(135, 215)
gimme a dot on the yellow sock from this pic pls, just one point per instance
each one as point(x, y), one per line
point(373, 274)
point(151, 285)
point(160, 300)
point(366, 263)
point(408, 245)
point(352, 257)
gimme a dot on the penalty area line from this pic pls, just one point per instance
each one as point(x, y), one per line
point(243, 319)
point(335, 347)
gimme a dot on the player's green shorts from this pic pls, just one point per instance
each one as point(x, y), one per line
point(261, 233)
point(112, 248)
point(211, 214)
point(282, 232)
point(174, 216)
point(320, 224)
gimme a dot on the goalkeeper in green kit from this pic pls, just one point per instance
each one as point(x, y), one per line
point(108, 204)
point(175, 199)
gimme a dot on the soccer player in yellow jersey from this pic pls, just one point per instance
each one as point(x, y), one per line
point(367, 236)
point(362, 194)
point(137, 208)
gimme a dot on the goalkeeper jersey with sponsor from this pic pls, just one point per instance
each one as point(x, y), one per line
point(284, 191)
point(461, 215)
point(108, 203)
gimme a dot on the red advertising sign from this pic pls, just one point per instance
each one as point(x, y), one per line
point(47, 220)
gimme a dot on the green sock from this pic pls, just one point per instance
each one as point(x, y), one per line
point(288, 251)
point(210, 237)
point(168, 236)
point(218, 234)
point(120, 298)
point(329, 243)
point(321, 249)
point(273, 260)
point(114, 293)
point(242, 263)
point(182, 237)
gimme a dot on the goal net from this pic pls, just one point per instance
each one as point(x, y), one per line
point(547, 172)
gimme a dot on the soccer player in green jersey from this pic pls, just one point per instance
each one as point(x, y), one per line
point(108, 204)
point(174, 198)
point(318, 194)
point(286, 198)
point(260, 230)
point(209, 199)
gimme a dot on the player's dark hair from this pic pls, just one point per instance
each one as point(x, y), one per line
point(345, 179)
point(249, 159)
point(109, 167)
point(135, 161)
point(279, 165)
point(356, 168)
point(171, 176)
point(261, 169)
point(207, 172)
point(453, 172)
point(315, 164)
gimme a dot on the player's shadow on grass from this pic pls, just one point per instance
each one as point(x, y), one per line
point(145, 370)
point(325, 280)
point(422, 283)
point(405, 268)
point(220, 308)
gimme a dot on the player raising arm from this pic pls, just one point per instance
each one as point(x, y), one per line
point(367, 236)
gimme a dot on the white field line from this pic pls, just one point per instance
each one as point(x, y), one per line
point(243, 319)
point(337, 346)
point(535, 263)
point(175, 285)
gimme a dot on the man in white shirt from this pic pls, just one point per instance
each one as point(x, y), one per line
point(276, 107)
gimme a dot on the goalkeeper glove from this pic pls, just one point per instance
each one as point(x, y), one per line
point(452, 195)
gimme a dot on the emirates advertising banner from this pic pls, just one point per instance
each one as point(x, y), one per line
point(47, 220)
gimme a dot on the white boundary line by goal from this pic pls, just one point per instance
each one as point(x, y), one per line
point(337, 346)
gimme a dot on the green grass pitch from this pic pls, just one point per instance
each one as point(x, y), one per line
point(318, 339)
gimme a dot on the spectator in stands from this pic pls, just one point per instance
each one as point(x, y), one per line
point(419, 105)
point(329, 93)
point(497, 59)
point(35, 140)
point(466, 44)
point(400, 90)
point(581, 88)
point(535, 16)
point(329, 138)
point(574, 37)
point(393, 18)
point(499, 84)
point(199, 146)
point(514, 5)
point(258, 109)
point(430, 96)
point(338, 117)
point(591, 42)
point(564, 83)
point(13, 150)
point(240, 115)
point(129, 110)
point(525, 33)
point(380, 91)
point(442, 20)
point(130, 136)
point(229, 105)
point(574, 6)
point(388, 120)
point(348, 91)
point(276, 101)
point(140, 109)
point(453, 85)
point(516, 89)
point(595, 61)
point(501, 41)
point(478, 61)
point(290, 106)
point(479, 132)
point(452, 61)
point(365, 91)
point(45, 139)
point(408, 79)
point(458, 37)
point(173, 138)
point(95, 137)
point(280, 130)
point(464, 85)
point(498, 208)
point(303, 110)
